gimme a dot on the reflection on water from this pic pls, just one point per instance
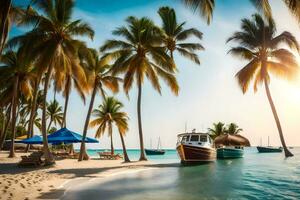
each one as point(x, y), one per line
point(257, 176)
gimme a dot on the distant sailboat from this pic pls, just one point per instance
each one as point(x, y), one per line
point(157, 151)
point(269, 149)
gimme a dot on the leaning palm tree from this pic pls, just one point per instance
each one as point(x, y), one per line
point(106, 115)
point(79, 84)
point(217, 129)
point(204, 7)
point(175, 35)
point(139, 56)
point(54, 114)
point(99, 78)
point(233, 129)
point(15, 75)
point(259, 45)
point(52, 43)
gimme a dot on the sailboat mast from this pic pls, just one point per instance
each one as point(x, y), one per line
point(268, 141)
point(151, 143)
point(158, 144)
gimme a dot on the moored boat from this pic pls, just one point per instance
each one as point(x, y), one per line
point(230, 152)
point(269, 149)
point(153, 152)
point(195, 147)
point(230, 146)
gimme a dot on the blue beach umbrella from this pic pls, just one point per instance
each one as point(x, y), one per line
point(37, 139)
point(66, 136)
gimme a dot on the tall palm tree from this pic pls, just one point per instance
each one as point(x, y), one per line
point(52, 42)
point(233, 129)
point(79, 84)
point(99, 77)
point(109, 113)
point(140, 55)
point(16, 74)
point(204, 7)
point(259, 45)
point(217, 129)
point(175, 35)
point(54, 114)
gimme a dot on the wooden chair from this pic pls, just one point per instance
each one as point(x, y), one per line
point(108, 156)
point(34, 159)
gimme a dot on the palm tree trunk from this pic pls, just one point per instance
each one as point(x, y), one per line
point(286, 151)
point(142, 154)
point(112, 151)
point(83, 155)
point(13, 124)
point(49, 125)
point(33, 111)
point(49, 160)
point(2, 139)
point(65, 110)
point(126, 158)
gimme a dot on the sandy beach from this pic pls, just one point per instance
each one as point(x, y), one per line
point(48, 182)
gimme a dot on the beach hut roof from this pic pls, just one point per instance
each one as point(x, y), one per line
point(64, 135)
point(231, 140)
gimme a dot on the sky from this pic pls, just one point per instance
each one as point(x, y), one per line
point(209, 93)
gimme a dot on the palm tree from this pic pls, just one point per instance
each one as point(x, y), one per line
point(52, 42)
point(106, 115)
point(99, 76)
point(81, 87)
point(140, 55)
point(175, 35)
point(204, 7)
point(54, 114)
point(16, 75)
point(259, 45)
point(233, 129)
point(217, 129)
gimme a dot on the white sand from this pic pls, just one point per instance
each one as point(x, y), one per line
point(47, 182)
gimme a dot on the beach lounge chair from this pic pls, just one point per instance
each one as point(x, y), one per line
point(108, 156)
point(34, 159)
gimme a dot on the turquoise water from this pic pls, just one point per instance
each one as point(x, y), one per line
point(256, 176)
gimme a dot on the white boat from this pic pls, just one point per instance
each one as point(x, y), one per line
point(195, 147)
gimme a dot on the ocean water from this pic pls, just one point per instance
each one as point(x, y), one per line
point(256, 176)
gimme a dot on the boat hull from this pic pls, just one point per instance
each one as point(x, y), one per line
point(154, 152)
point(224, 153)
point(269, 150)
point(192, 154)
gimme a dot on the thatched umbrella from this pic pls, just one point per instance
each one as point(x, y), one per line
point(231, 140)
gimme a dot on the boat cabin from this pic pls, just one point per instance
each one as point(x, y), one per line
point(201, 139)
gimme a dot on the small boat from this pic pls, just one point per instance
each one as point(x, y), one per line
point(157, 151)
point(269, 149)
point(230, 146)
point(195, 147)
point(230, 152)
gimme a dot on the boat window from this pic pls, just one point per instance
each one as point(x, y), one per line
point(203, 138)
point(194, 138)
point(184, 139)
point(209, 140)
